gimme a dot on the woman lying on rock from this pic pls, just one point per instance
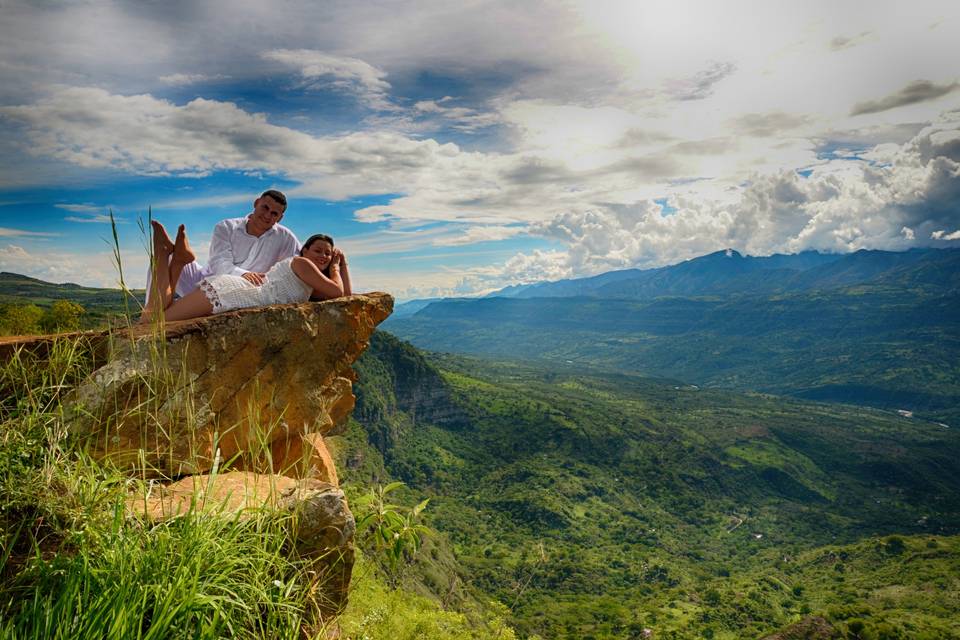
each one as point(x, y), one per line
point(319, 272)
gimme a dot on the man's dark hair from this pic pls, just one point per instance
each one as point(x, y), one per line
point(276, 195)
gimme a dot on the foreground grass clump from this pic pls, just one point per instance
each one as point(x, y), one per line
point(73, 565)
point(196, 577)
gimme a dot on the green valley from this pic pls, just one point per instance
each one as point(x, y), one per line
point(761, 485)
point(598, 505)
point(888, 349)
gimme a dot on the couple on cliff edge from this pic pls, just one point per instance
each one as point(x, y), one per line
point(254, 261)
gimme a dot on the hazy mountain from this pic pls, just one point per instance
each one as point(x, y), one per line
point(874, 328)
point(410, 307)
point(728, 272)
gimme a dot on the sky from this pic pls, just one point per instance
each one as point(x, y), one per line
point(456, 148)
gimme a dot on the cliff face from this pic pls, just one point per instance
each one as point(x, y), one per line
point(229, 414)
point(394, 377)
point(241, 387)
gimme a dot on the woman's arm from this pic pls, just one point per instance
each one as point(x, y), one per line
point(323, 286)
point(345, 274)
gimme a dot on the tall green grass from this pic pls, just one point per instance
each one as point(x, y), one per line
point(193, 577)
point(74, 565)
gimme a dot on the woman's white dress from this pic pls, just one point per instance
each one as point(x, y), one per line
point(282, 286)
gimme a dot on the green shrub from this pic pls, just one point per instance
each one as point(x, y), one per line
point(894, 545)
point(391, 531)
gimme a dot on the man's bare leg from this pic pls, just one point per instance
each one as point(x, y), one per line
point(163, 248)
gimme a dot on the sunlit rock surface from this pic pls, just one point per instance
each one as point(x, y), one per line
point(230, 387)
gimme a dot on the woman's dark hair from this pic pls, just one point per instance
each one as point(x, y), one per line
point(314, 238)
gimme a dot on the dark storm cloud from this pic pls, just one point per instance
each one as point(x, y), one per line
point(765, 125)
point(536, 171)
point(916, 91)
point(640, 137)
point(843, 42)
point(711, 147)
point(647, 167)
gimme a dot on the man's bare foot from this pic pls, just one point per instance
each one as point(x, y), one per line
point(182, 253)
point(161, 241)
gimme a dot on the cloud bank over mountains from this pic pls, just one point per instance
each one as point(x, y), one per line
point(599, 132)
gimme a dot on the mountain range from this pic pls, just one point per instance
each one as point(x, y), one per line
point(578, 496)
point(730, 273)
point(872, 327)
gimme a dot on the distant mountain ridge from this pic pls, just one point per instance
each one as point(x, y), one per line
point(874, 328)
point(729, 272)
point(100, 303)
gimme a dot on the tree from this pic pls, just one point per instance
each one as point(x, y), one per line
point(895, 545)
point(20, 319)
point(393, 530)
point(63, 315)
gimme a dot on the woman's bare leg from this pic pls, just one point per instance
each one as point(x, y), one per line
point(163, 248)
point(182, 256)
point(193, 305)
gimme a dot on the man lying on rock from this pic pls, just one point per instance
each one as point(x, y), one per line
point(320, 272)
point(247, 247)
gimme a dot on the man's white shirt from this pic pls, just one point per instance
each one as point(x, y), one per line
point(234, 251)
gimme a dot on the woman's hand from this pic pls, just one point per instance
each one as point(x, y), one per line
point(344, 272)
point(338, 258)
point(254, 278)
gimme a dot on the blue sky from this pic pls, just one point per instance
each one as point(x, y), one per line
point(452, 150)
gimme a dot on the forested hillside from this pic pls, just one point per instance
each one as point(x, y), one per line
point(29, 306)
point(597, 506)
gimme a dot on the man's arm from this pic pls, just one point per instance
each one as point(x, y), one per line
point(221, 252)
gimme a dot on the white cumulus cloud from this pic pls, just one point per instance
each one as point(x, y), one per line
point(341, 73)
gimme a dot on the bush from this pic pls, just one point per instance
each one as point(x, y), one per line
point(894, 545)
point(62, 315)
point(19, 320)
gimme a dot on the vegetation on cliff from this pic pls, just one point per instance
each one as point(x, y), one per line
point(596, 506)
point(31, 306)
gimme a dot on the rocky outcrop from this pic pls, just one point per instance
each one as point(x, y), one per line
point(240, 387)
point(228, 415)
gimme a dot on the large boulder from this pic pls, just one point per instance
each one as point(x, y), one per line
point(238, 389)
